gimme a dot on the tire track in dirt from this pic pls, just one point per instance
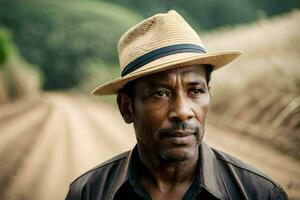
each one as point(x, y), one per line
point(108, 124)
point(56, 176)
point(62, 161)
point(35, 170)
point(13, 129)
point(11, 111)
point(12, 157)
point(86, 151)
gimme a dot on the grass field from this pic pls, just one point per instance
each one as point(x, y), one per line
point(259, 93)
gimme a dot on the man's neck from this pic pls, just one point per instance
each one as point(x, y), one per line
point(166, 177)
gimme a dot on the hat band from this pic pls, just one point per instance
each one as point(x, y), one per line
point(159, 53)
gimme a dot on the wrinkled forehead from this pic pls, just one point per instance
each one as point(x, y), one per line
point(188, 73)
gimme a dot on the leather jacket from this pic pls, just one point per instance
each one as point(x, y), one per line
point(223, 176)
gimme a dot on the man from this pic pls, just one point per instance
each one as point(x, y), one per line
point(163, 90)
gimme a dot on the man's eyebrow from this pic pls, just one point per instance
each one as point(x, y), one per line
point(198, 82)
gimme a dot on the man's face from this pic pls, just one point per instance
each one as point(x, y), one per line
point(169, 110)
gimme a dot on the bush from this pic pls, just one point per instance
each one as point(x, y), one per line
point(4, 47)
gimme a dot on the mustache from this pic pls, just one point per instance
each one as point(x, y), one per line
point(177, 128)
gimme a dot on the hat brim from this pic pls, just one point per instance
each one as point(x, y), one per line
point(216, 59)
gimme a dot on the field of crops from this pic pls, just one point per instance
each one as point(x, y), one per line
point(47, 141)
point(259, 94)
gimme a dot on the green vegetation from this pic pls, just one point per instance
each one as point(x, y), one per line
point(213, 13)
point(4, 47)
point(63, 37)
point(17, 77)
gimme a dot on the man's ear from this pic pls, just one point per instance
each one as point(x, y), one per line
point(125, 107)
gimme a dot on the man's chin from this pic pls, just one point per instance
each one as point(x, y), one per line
point(178, 154)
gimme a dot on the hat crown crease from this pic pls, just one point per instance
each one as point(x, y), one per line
point(158, 31)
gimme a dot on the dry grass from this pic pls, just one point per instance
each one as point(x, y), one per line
point(259, 93)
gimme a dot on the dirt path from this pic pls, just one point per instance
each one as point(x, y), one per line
point(40, 157)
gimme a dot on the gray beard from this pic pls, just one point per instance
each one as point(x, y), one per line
point(172, 158)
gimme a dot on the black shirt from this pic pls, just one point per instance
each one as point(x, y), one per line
point(132, 189)
point(219, 176)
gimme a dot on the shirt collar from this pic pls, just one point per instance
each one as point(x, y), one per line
point(211, 178)
point(122, 174)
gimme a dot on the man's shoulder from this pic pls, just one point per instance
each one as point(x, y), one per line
point(100, 176)
point(248, 176)
point(105, 166)
point(238, 164)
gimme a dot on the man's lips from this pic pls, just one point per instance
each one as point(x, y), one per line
point(180, 133)
point(180, 137)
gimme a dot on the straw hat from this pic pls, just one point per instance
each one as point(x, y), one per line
point(161, 42)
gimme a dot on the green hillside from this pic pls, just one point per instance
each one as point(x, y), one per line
point(63, 37)
point(213, 13)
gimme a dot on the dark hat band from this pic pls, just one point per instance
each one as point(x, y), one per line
point(159, 53)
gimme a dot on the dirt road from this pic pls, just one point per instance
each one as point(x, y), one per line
point(45, 143)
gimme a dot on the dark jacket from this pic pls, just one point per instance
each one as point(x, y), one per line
point(222, 175)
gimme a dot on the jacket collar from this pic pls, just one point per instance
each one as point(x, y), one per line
point(210, 172)
point(211, 178)
point(122, 174)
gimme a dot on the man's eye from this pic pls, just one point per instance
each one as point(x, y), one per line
point(197, 90)
point(161, 94)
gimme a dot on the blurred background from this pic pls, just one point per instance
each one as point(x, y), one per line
point(54, 52)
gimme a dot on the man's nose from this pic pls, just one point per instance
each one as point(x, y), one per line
point(180, 110)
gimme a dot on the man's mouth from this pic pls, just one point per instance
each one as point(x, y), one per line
point(181, 133)
point(180, 137)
